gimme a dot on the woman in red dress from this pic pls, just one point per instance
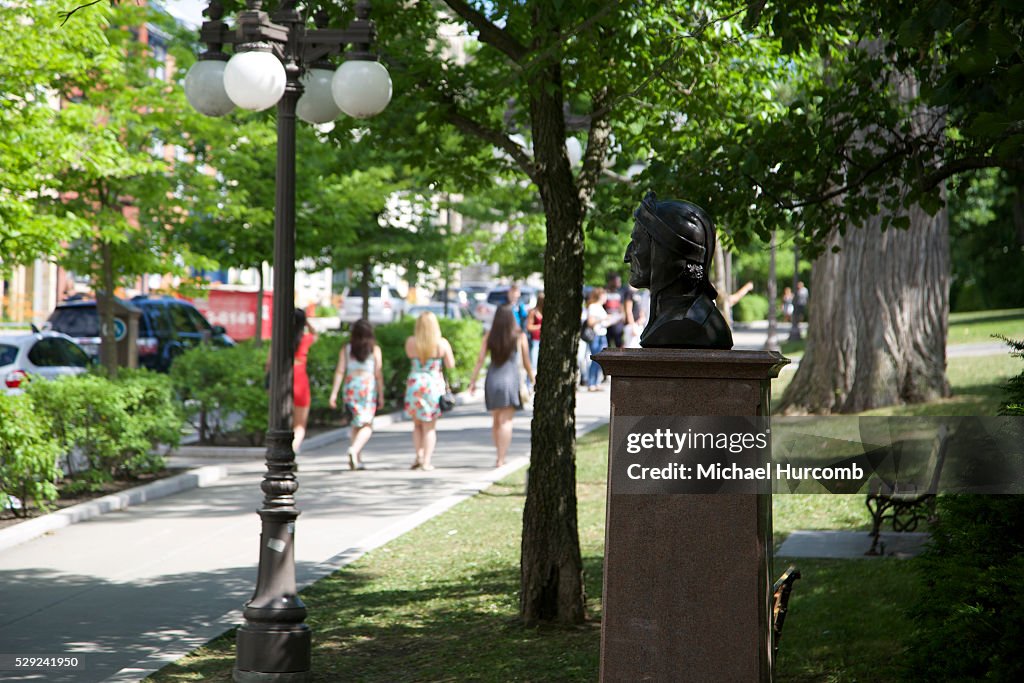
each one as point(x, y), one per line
point(304, 338)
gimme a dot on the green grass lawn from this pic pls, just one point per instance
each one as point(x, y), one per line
point(979, 326)
point(964, 328)
point(440, 603)
point(977, 383)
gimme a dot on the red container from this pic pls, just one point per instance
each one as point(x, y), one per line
point(235, 310)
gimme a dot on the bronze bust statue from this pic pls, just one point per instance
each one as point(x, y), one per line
point(670, 254)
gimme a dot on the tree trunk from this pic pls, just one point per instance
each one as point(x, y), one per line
point(878, 313)
point(259, 306)
point(551, 565)
point(364, 288)
point(721, 280)
point(878, 318)
point(772, 342)
point(105, 311)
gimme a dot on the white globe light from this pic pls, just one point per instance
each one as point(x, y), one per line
point(204, 88)
point(361, 89)
point(317, 103)
point(254, 80)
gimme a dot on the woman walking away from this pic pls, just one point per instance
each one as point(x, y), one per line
point(506, 343)
point(533, 323)
point(305, 335)
point(359, 363)
point(429, 353)
point(598, 319)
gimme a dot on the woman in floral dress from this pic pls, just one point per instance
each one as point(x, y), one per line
point(429, 353)
point(359, 364)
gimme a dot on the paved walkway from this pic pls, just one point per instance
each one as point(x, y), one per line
point(132, 590)
point(851, 544)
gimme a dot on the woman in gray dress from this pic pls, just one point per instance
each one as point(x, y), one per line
point(506, 344)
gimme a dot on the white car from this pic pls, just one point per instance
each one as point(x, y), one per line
point(484, 310)
point(47, 355)
point(454, 311)
point(385, 305)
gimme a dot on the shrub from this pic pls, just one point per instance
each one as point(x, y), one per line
point(223, 390)
point(753, 307)
point(323, 357)
point(970, 619)
point(1014, 404)
point(154, 420)
point(464, 336)
point(113, 425)
point(28, 455)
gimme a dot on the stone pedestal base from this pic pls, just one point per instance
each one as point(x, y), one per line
point(687, 582)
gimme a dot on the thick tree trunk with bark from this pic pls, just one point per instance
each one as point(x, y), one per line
point(878, 312)
point(551, 564)
point(877, 320)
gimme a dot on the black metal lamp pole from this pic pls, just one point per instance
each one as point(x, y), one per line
point(274, 644)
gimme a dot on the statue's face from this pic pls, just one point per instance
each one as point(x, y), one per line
point(638, 256)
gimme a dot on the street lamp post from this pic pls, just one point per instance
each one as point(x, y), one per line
point(279, 60)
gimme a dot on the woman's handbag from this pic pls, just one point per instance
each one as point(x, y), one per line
point(345, 409)
point(524, 395)
point(447, 400)
point(587, 333)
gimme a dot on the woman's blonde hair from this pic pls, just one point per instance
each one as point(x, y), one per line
point(427, 336)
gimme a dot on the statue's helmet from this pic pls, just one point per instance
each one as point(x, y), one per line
point(685, 235)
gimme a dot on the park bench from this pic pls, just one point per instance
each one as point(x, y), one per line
point(906, 503)
point(780, 603)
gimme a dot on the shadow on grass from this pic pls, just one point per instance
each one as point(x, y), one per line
point(847, 621)
point(979, 317)
point(465, 628)
point(368, 628)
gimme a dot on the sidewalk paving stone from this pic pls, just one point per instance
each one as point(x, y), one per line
point(850, 544)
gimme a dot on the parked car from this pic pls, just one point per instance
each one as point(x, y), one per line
point(39, 354)
point(467, 295)
point(484, 310)
point(455, 311)
point(167, 327)
point(386, 306)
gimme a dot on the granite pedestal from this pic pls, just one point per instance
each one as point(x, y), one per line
point(687, 577)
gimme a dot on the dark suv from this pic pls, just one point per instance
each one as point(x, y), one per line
point(167, 327)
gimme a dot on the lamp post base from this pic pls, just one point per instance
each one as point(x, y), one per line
point(261, 650)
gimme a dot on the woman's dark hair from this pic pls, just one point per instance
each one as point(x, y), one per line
point(300, 328)
point(540, 303)
point(362, 340)
point(504, 335)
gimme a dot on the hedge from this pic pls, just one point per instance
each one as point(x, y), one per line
point(970, 619)
point(28, 455)
point(223, 391)
point(753, 307)
point(114, 425)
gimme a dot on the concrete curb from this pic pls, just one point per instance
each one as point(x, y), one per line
point(33, 528)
